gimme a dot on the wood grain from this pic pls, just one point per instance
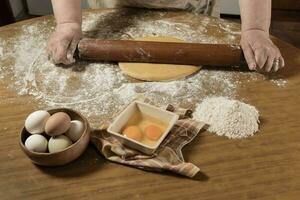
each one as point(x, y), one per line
point(265, 166)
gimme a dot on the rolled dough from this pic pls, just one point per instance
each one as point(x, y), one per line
point(158, 72)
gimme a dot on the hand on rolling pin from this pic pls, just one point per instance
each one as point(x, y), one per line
point(63, 42)
point(260, 52)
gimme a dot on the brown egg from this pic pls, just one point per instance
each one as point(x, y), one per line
point(133, 132)
point(153, 132)
point(57, 124)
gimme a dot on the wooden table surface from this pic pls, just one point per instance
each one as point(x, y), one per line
point(266, 166)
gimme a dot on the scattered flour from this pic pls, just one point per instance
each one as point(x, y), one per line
point(99, 90)
point(279, 82)
point(230, 118)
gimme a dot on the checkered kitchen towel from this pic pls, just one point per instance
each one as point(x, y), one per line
point(168, 156)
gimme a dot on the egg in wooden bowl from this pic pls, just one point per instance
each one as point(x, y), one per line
point(55, 139)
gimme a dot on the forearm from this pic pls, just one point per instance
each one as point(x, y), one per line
point(256, 14)
point(67, 11)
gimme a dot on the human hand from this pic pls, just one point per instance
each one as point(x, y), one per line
point(63, 42)
point(260, 52)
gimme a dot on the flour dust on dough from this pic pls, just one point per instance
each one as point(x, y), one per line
point(158, 72)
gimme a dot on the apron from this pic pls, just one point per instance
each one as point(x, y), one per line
point(208, 7)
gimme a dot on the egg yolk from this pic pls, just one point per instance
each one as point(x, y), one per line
point(133, 132)
point(153, 132)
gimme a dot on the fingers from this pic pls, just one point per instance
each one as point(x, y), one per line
point(60, 53)
point(282, 62)
point(249, 56)
point(260, 58)
point(271, 64)
point(74, 43)
point(275, 60)
point(72, 49)
point(278, 63)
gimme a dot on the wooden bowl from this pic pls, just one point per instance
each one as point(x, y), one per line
point(67, 155)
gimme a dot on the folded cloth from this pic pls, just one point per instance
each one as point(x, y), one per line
point(168, 156)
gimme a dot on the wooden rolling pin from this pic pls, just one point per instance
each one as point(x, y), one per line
point(160, 52)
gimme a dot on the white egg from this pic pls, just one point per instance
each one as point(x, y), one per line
point(35, 122)
point(75, 131)
point(36, 143)
point(58, 143)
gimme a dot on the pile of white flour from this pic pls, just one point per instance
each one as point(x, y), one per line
point(230, 118)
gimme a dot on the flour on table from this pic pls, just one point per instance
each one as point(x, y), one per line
point(230, 118)
point(98, 90)
point(279, 82)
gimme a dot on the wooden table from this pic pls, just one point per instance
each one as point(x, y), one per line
point(266, 166)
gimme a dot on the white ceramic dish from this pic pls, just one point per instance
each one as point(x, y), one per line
point(164, 116)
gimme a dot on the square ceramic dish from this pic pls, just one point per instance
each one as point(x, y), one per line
point(164, 116)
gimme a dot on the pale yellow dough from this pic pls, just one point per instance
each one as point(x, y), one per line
point(158, 72)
